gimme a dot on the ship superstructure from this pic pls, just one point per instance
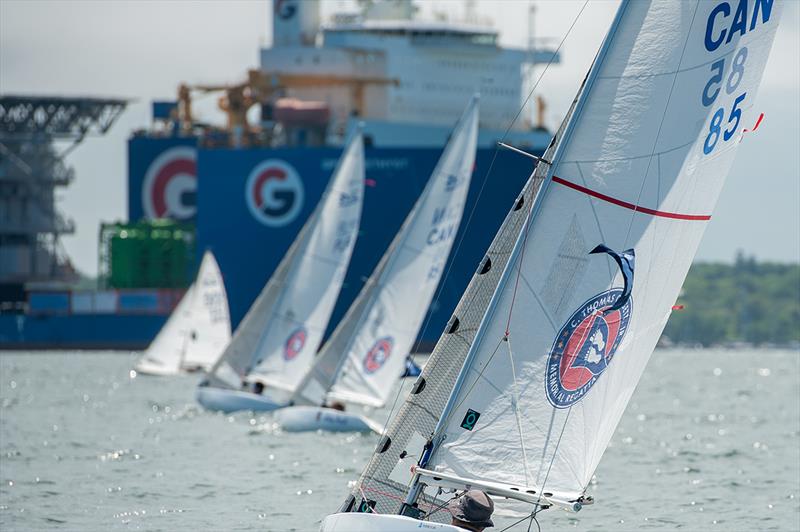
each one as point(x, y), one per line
point(406, 79)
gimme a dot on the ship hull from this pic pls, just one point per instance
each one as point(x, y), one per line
point(249, 223)
point(313, 418)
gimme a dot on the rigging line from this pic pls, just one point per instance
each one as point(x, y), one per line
point(469, 391)
point(544, 71)
point(364, 498)
point(526, 229)
point(553, 459)
point(515, 523)
point(530, 206)
point(480, 193)
point(516, 408)
point(494, 157)
point(432, 510)
point(534, 520)
point(660, 126)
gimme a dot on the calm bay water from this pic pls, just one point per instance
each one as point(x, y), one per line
point(710, 441)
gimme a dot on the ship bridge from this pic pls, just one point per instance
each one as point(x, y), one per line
point(401, 75)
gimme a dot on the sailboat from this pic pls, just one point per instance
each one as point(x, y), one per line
point(367, 353)
point(196, 332)
point(525, 388)
point(275, 343)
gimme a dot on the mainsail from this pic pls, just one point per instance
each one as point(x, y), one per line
point(197, 330)
point(553, 342)
point(367, 352)
point(280, 334)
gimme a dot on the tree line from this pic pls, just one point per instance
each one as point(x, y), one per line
point(748, 301)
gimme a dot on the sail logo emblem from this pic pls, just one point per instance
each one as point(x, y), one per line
point(274, 193)
point(378, 354)
point(169, 189)
point(294, 344)
point(585, 346)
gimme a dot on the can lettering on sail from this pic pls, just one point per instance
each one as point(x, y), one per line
point(378, 354)
point(294, 344)
point(584, 347)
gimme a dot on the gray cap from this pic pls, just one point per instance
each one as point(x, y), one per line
point(474, 507)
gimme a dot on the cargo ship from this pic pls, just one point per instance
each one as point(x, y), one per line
point(243, 190)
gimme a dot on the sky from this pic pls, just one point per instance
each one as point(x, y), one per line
point(142, 50)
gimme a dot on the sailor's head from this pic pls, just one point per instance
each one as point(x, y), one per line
point(472, 511)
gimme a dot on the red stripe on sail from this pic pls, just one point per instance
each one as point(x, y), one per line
point(631, 206)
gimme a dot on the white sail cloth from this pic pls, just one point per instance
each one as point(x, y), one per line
point(197, 330)
point(366, 354)
point(278, 338)
point(640, 167)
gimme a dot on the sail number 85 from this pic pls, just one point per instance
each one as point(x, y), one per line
point(715, 128)
point(711, 92)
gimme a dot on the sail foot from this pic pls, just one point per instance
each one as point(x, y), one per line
point(571, 501)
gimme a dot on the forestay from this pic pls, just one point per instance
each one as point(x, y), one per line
point(368, 350)
point(198, 329)
point(641, 165)
point(280, 334)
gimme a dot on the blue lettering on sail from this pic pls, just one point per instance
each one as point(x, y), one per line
point(739, 21)
point(438, 215)
point(713, 43)
point(721, 27)
point(439, 234)
point(765, 7)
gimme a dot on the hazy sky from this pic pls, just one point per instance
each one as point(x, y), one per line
point(143, 50)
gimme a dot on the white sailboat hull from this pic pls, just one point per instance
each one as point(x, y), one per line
point(147, 367)
point(359, 522)
point(226, 400)
point(312, 418)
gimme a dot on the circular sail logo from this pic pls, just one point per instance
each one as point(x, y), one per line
point(170, 185)
point(274, 193)
point(378, 354)
point(584, 347)
point(294, 344)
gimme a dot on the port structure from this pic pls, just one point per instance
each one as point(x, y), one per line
point(33, 133)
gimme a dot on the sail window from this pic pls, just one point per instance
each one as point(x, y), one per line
point(418, 386)
point(453, 325)
point(520, 203)
point(485, 266)
point(384, 444)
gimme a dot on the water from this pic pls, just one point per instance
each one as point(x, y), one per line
point(710, 441)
